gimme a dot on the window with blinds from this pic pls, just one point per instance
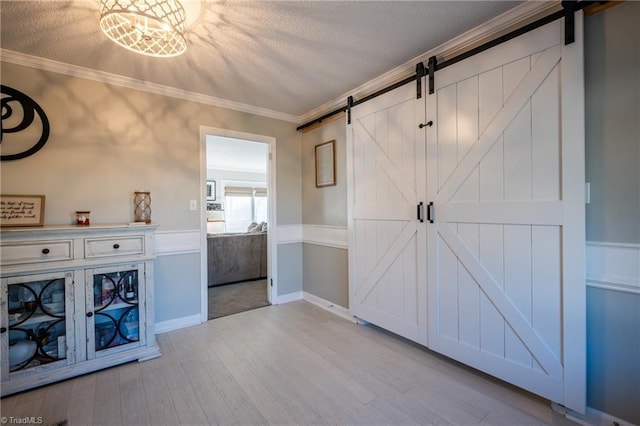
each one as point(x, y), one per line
point(244, 205)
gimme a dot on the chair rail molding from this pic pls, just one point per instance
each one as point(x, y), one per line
point(169, 243)
point(325, 235)
point(321, 235)
point(613, 266)
point(289, 234)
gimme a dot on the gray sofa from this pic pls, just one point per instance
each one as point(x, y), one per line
point(236, 257)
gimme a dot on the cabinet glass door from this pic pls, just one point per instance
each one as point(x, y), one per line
point(115, 316)
point(38, 318)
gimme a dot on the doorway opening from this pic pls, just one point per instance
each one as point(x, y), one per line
point(238, 222)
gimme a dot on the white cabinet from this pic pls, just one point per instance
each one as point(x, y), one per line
point(74, 300)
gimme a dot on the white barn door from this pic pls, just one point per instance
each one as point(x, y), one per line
point(506, 249)
point(386, 159)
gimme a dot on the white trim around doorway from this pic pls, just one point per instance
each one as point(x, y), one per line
point(272, 238)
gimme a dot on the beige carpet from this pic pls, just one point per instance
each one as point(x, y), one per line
point(233, 298)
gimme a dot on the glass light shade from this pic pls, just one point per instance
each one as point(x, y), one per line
point(151, 27)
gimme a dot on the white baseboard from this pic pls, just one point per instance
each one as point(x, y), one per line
point(592, 417)
point(178, 323)
point(289, 297)
point(329, 306)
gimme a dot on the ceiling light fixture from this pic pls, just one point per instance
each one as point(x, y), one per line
point(151, 27)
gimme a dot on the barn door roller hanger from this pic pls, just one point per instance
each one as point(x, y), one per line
point(568, 13)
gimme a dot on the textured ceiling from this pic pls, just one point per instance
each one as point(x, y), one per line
point(289, 57)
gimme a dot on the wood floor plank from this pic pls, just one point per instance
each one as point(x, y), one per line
point(391, 413)
point(310, 368)
point(286, 364)
point(82, 400)
point(133, 400)
point(183, 396)
point(160, 406)
point(55, 402)
point(260, 396)
point(209, 396)
point(312, 352)
point(281, 386)
point(107, 409)
point(26, 404)
point(233, 395)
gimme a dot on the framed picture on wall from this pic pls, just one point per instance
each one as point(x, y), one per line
point(326, 164)
point(21, 210)
point(211, 190)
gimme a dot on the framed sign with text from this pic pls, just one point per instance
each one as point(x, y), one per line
point(21, 210)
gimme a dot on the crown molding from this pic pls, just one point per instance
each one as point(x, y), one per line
point(520, 15)
point(44, 64)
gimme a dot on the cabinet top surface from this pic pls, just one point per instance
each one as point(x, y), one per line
point(118, 227)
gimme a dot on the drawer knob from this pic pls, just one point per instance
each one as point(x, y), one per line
point(3, 329)
point(45, 251)
point(89, 314)
point(116, 246)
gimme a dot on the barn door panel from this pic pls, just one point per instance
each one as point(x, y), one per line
point(505, 173)
point(387, 250)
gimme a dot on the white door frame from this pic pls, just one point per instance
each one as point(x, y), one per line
point(272, 248)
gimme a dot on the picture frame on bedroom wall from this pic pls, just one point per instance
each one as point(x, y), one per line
point(325, 164)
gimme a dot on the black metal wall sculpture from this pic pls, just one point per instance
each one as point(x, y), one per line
point(14, 102)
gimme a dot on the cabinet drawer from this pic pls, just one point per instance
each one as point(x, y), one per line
point(41, 251)
point(101, 247)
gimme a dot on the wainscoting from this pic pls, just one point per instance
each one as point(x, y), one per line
point(613, 266)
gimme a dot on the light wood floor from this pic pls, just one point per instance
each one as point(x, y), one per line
point(289, 364)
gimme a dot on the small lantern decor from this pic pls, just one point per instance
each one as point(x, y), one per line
point(142, 206)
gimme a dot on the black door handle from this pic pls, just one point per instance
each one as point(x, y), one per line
point(430, 212)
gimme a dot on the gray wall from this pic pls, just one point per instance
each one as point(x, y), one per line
point(326, 273)
point(612, 76)
point(613, 362)
point(327, 205)
point(175, 293)
point(289, 271)
point(108, 141)
point(325, 269)
point(612, 70)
